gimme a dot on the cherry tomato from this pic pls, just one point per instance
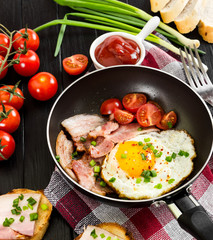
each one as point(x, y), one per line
point(109, 106)
point(168, 121)
point(7, 145)
point(5, 41)
point(158, 106)
point(123, 117)
point(12, 95)
point(32, 41)
point(28, 65)
point(133, 101)
point(75, 64)
point(4, 72)
point(9, 118)
point(148, 115)
point(43, 86)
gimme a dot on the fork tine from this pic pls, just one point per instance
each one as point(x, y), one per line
point(208, 81)
point(186, 70)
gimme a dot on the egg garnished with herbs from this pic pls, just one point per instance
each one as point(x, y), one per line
point(149, 165)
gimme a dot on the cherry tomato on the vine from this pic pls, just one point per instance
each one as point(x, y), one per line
point(4, 72)
point(9, 118)
point(32, 40)
point(75, 64)
point(43, 86)
point(28, 65)
point(4, 44)
point(12, 95)
point(7, 145)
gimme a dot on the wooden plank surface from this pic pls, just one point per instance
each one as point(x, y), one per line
point(31, 165)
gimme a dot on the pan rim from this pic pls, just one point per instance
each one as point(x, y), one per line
point(130, 201)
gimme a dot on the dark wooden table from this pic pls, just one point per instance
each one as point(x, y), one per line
point(31, 165)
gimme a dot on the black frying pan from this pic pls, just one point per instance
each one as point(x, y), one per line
point(86, 95)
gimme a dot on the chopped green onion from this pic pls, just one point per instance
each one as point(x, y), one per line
point(112, 179)
point(157, 155)
point(97, 169)
point(149, 145)
point(82, 139)
point(174, 155)
point(143, 156)
point(7, 222)
point(145, 173)
point(109, 238)
point(153, 173)
point(102, 184)
point(15, 202)
point(138, 180)
point(186, 154)
point(140, 129)
point(155, 151)
point(181, 153)
point(94, 143)
point(152, 147)
point(145, 147)
point(146, 139)
point(140, 143)
point(33, 216)
point(25, 208)
point(147, 179)
point(18, 208)
point(93, 234)
point(102, 235)
point(15, 212)
point(44, 207)
point(57, 158)
point(30, 206)
point(171, 181)
point(21, 219)
point(123, 155)
point(31, 201)
point(168, 158)
point(158, 186)
point(96, 175)
point(92, 163)
point(21, 197)
point(169, 124)
point(75, 154)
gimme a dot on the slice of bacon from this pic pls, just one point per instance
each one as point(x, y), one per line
point(104, 130)
point(103, 147)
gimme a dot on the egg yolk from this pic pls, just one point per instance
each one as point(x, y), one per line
point(133, 159)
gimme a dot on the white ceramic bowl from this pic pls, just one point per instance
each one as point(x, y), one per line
point(148, 28)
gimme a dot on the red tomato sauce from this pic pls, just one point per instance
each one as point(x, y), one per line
point(116, 50)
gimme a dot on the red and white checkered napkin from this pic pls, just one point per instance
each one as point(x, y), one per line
point(145, 223)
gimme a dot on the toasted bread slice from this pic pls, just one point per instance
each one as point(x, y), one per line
point(157, 5)
point(113, 228)
point(43, 216)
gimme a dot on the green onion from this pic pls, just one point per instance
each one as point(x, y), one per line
point(145, 147)
point(123, 155)
point(149, 145)
point(94, 143)
point(44, 207)
point(168, 158)
point(102, 235)
point(147, 179)
point(57, 158)
point(93, 234)
point(153, 173)
point(186, 154)
point(33, 216)
point(155, 151)
point(15, 212)
point(109, 238)
point(143, 156)
point(169, 124)
point(30, 206)
point(15, 202)
point(171, 181)
point(174, 155)
point(146, 139)
point(96, 175)
point(140, 129)
point(97, 169)
point(158, 186)
point(183, 153)
point(146, 173)
point(138, 180)
point(25, 208)
point(82, 139)
point(21, 197)
point(21, 219)
point(92, 163)
point(102, 184)
point(140, 143)
point(7, 222)
point(152, 147)
point(157, 155)
point(112, 179)
point(31, 201)
point(75, 154)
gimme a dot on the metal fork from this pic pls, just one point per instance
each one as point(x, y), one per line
point(196, 75)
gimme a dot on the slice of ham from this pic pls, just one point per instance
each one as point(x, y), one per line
point(24, 228)
point(104, 130)
point(103, 147)
point(87, 234)
point(64, 149)
point(126, 132)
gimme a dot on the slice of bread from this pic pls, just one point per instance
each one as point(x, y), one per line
point(113, 228)
point(205, 26)
point(172, 10)
point(188, 19)
point(157, 5)
point(43, 215)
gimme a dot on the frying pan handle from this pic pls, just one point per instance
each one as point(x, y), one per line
point(192, 217)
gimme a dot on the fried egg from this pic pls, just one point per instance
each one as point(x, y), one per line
point(149, 165)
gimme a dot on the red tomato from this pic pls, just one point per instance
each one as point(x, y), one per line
point(5, 41)
point(168, 121)
point(7, 145)
point(109, 106)
point(158, 106)
point(133, 101)
point(4, 72)
point(9, 118)
point(75, 64)
point(43, 86)
point(28, 65)
point(32, 41)
point(12, 95)
point(123, 117)
point(148, 115)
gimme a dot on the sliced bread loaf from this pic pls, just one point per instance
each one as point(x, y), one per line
point(157, 5)
point(172, 10)
point(188, 19)
point(205, 26)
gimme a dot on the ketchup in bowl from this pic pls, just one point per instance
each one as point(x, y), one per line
point(116, 50)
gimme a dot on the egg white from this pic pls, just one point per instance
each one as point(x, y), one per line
point(168, 142)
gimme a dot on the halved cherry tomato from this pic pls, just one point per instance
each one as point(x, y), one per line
point(123, 117)
point(32, 40)
point(168, 121)
point(4, 44)
point(133, 101)
point(7, 145)
point(158, 106)
point(109, 106)
point(148, 115)
point(12, 95)
point(9, 118)
point(75, 64)
point(28, 65)
point(4, 72)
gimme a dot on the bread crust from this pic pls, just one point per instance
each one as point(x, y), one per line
point(157, 5)
point(113, 228)
point(43, 216)
point(205, 31)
